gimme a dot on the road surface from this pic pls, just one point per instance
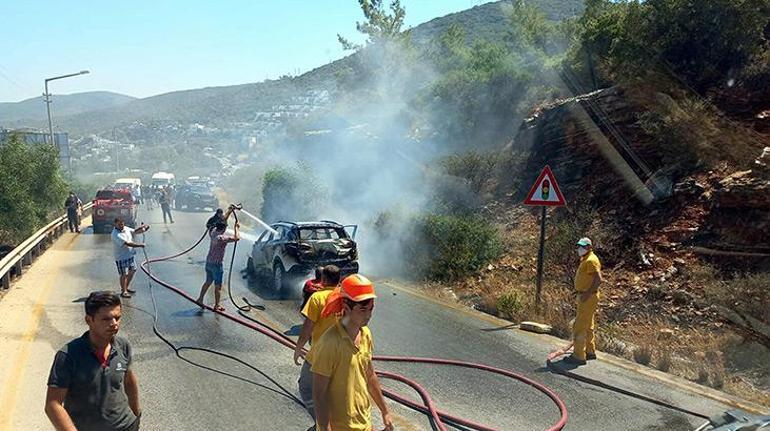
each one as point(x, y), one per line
point(44, 310)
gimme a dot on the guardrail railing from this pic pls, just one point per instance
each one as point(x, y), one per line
point(25, 253)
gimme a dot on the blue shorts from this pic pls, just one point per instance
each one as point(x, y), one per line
point(214, 272)
point(125, 266)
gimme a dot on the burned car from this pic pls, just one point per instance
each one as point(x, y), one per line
point(295, 249)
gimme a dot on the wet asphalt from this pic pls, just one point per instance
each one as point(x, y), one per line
point(178, 395)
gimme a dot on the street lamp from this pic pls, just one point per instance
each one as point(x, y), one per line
point(47, 96)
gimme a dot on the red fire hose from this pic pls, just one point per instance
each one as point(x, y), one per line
point(438, 417)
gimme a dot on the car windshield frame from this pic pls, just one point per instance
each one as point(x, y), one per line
point(304, 236)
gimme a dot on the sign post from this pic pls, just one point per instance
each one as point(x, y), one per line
point(544, 193)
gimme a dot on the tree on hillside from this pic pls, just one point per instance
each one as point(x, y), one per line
point(381, 69)
point(380, 25)
point(704, 43)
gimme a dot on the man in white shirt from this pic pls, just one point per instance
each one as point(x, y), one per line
point(123, 246)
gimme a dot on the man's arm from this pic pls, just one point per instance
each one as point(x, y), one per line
point(54, 409)
point(322, 417)
point(304, 336)
point(132, 392)
point(373, 384)
point(141, 229)
point(595, 282)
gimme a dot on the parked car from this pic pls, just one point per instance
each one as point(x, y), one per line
point(112, 202)
point(295, 249)
point(195, 197)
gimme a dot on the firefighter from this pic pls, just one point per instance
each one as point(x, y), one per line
point(587, 281)
point(312, 328)
point(344, 382)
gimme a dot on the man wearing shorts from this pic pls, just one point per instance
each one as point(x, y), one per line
point(123, 248)
point(214, 268)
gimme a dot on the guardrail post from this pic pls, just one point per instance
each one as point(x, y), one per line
point(5, 282)
point(27, 259)
point(18, 268)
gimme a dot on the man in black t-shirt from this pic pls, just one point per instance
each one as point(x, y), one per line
point(72, 205)
point(91, 385)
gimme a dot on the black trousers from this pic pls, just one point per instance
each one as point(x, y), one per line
point(166, 210)
point(72, 221)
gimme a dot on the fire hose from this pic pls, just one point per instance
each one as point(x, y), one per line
point(438, 417)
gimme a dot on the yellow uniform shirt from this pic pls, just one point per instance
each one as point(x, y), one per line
point(346, 366)
point(589, 267)
point(312, 311)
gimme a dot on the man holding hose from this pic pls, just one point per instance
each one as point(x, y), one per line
point(214, 268)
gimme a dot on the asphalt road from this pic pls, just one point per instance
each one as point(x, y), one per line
point(177, 395)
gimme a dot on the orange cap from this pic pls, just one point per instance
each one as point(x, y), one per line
point(354, 287)
point(357, 288)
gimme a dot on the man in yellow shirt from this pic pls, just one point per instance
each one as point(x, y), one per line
point(587, 281)
point(314, 326)
point(343, 375)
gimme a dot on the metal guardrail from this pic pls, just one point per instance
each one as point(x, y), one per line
point(26, 252)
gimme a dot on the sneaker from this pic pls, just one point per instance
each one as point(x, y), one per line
point(590, 356)
point(572, 360)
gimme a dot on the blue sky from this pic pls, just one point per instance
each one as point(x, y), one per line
point(142, 48)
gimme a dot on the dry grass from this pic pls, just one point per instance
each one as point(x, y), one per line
point(643, 355)
point(664, 362)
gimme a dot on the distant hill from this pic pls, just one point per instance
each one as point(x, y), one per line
point(223, 106)
point(33, 110)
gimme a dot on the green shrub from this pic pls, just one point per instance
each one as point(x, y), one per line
point(448, 247)
point(291, 194)
point(32, 190)
point(512, 303)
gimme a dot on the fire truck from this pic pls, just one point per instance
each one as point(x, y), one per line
point(110, 203)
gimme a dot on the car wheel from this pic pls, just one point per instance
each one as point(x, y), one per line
point(279, 276)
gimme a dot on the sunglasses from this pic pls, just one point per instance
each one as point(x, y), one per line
point(365, 305)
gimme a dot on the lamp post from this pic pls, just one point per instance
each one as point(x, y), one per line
point(47, 99)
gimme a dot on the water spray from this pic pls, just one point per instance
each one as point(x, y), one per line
point(257, 219)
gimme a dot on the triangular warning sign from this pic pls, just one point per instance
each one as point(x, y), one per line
point(545, 191)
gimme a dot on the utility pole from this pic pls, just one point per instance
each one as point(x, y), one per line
point(47, 98)
point(117, 150)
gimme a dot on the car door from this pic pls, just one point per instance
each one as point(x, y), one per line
point(351, 230)
point(258, 251)
point(269, 248)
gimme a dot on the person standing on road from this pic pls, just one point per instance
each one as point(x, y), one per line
point(214, 268)
point(91, 386)
point(313, 328)
point(148, 196)
point(123, 247)
point(312, 286)
point(587, 281)
point(164, 199)
point(344, 382)
point(73, 204)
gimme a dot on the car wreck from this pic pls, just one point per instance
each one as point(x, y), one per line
point(293, 250)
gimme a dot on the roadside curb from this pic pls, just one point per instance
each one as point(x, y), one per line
point(625, 364)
